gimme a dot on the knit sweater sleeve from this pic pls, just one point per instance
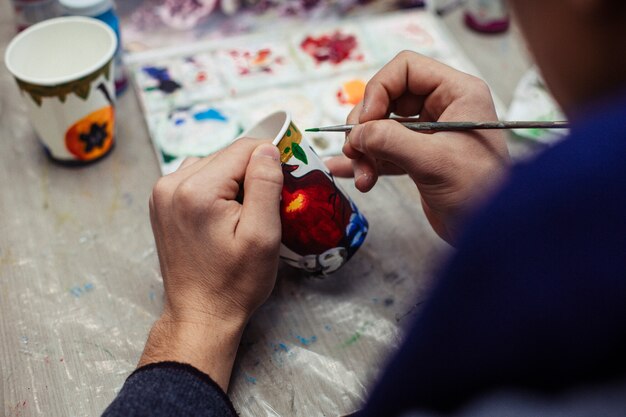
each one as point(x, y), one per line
point(170, 389)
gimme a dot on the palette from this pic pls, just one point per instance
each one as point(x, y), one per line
point(181, 81)
point(265, 63)
point(332, 50)
point(198, 100)
point(413, 31)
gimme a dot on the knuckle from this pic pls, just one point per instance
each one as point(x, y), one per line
point(478, 86)
point(161, 191)
point(263, 242)
point(188, 199)
point(406, 55)
point(246, 143)
point(353, 116)
point(375, 136)
point(266, 174)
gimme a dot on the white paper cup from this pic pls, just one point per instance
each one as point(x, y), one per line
point(64, 69)
point(321, 226)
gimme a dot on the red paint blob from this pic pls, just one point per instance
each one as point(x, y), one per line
point(334, 48)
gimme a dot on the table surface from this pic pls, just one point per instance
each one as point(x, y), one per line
point(80, 284)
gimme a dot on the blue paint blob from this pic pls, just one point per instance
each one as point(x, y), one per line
point(250, 379)
point(210, 114)
point(179, 122)
point(283, 347)
point(78, 291)
point(305, 341)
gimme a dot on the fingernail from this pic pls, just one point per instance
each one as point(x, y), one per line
point(361, 174)
point(361, 179)
point(354, 137)
point(269, 151)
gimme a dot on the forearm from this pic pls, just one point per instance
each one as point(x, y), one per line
point(209, 347)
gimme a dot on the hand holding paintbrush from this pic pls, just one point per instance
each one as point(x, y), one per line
point(453, 169)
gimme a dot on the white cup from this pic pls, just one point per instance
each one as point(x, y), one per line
point(64, 69)
point(321, 226)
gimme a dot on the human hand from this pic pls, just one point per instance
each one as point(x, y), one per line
point(452, 170)
point(218, 257)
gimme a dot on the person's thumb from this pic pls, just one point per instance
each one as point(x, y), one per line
point(387, 140)
point(260, 216)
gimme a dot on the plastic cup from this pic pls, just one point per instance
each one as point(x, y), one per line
point(64, 70)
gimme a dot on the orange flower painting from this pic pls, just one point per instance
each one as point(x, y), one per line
point(92, 136)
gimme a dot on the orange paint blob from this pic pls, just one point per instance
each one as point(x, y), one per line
point(351, 92)
point(92, 136)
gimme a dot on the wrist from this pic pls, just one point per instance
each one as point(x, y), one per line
point(210, 347)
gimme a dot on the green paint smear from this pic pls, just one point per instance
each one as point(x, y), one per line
point(352, 339)
point(356, 336)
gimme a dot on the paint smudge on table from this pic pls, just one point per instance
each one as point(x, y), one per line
point(306, 341)
point(17, 409)
point(281, 351)
point(250, 379)
point(356, 336)
point(78, 290)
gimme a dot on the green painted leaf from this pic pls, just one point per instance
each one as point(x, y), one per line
point(288, 133)
point(299, 153)
point(287, 149)
point(167, 157)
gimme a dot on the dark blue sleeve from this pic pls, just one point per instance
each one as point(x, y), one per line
point(535, 296)
point(170, 389)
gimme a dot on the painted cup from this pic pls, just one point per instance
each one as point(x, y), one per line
point(64, 69)
point(321, 226)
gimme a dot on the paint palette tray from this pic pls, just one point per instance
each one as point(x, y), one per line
point(199, 98)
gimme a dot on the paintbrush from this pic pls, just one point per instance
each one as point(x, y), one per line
point(455, 126)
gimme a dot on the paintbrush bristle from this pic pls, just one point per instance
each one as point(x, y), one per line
point(313, 129)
